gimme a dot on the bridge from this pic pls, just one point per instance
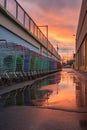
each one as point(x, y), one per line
point(24, 50)
point(16, 25)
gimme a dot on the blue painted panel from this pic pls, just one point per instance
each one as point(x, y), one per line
point(11, 37)
point(26, 63)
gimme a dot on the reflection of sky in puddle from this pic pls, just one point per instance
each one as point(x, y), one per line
point(63, 94)
point(65, 90)
point(69, 93)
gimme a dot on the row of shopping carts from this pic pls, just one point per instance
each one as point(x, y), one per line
point(14, 63)
point(18, 63)
point(12, 67)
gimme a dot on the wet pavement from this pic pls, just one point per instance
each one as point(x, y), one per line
point(69, 93)
point(57, 102)
point(31, 118)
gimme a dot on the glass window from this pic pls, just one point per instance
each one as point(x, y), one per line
point(2, 2)
point(20, 15)
point(39, 32)
point(36, 29)
point(31, 26)
point(11, 7)
point(26, 22)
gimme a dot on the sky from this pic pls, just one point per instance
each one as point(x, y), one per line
point(61, 16)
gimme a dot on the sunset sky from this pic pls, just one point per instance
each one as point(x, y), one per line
point(61, 16)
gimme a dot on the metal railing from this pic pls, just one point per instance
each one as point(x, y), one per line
point(13, 7)
point(19, 13)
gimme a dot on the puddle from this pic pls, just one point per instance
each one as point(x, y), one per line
point(64, 90)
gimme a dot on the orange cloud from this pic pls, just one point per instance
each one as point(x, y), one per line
point(61, 16)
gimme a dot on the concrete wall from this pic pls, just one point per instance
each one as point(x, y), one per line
point(82, 25)
point(81, 39)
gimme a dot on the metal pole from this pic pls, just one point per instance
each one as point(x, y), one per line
point(5, 4)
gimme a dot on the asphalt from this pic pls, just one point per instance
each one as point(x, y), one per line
point(36, 118)
point(31, 118)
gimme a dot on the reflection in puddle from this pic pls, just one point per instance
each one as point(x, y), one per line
point(30, 95)
point(63, 90)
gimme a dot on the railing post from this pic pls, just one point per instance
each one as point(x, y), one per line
point(5, 3)
point(24, 20)
point(29, 24)
point(34, 29)
point(16, 10)
point(37, 32)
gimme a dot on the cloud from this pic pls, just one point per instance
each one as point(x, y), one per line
point(61, 16)
point(54, 4)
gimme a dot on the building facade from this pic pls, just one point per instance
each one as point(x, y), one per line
point(81, 39)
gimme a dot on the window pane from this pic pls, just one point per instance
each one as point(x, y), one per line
point(36, 30)
point(41, 37)
point(26, 22)
point(20, 15)
point(2, 2)
point(31, 26)
point(11, 7)
point(39, 34)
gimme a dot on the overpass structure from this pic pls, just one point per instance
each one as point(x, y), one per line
point(17, 26)
point(20, 35)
